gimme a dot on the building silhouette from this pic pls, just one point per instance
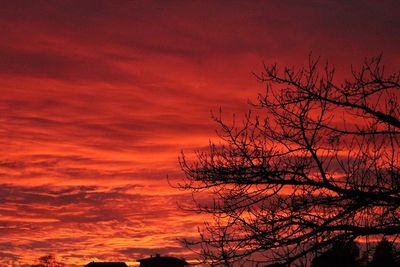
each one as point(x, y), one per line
point(106, 264)
point(159, 261)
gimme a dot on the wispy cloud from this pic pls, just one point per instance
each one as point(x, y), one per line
point(96, 221)
point(97, 101)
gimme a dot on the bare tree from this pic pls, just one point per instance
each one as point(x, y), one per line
point(314, 162)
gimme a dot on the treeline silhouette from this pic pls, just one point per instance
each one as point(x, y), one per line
point(347, 254)
point(340, 254)
point(157, 261)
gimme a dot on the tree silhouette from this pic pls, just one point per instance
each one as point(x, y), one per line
point(343, 254)
point(48, 261)
point(384, 255)
point(314, 162)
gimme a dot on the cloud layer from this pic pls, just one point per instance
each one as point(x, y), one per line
point(98, 99)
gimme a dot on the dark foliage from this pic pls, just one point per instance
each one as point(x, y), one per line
point(384, 255)
point(342, 254)
point(48, 261)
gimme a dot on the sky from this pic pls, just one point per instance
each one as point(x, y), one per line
point(99, 98)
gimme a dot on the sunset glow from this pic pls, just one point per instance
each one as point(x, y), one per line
point(99, 98)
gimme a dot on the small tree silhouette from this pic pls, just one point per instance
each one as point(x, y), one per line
point(343, 254)
point(48, 261)
point(384, 255)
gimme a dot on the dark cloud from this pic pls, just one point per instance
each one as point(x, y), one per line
point(197, 31)
point(42, 64)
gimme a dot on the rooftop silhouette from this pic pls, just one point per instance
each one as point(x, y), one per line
point(159, 261)
point(106, 264)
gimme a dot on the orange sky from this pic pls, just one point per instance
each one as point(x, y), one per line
point(98, 98)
